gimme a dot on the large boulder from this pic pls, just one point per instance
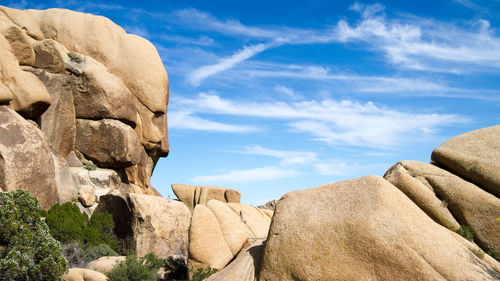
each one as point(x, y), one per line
point(364, 229)
point(26, 159)
point(105, 264)
point(468, 203)
point(193, 195)
point(244, 267)
point(474, 156)
point(84, 274)
point(149, 223)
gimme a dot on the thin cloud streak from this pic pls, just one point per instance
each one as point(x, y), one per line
point(288, 157)
point(185, 120)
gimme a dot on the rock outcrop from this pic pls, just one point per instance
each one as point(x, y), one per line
point(474, 156)
point(193, 195)
point(147, 223)
point(92, 91)
point(220, 230)
point(425, 183)
point(84, 274)
point(105, 264)
point(364, 229)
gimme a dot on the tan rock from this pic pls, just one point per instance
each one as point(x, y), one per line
point(18, 40)
point(207, 246)
point(5, 94)
point(107, 142)
point(86, 195)
point(363, 229)
point(84, 274)
point(420, 192)
point(149, 223)
point(468, 203)
point(244, 267)
point(58, 121)
point(26, 160)
point(66, 188)
point(193, 195)
point(233, 229)
point(474, 156)
point(30, 97)
point(50, 55)
point(268, 213)
point(105, 264)
point(24, 21)
point(255, 219)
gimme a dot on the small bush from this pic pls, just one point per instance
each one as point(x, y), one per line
point(493, 254)
point(95, 252)
point(202, 273)
point(28, 251)
point(75, 57)
point(477, 252)
point(137, 269)
point(175, 269)
point(467, 232)
point(74, 254)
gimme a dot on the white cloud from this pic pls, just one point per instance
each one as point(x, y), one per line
point(184, 120)
point(338, 167)
point(333, 122)
point(200, 41)
point(204, 72)
point(137, 30)
point(288, 157)
point(287, 91)
point(250, 175)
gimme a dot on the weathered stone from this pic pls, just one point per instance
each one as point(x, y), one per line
point(255, 219)
point(18, 40)
point(363, 229)
point(58, 121)
point(193, 195)
point(84, 274)
point(233, 229)
point(51, 56)
point(244, 267)
point(421, 193)
point(24, 21)
point(73, 161)
point(105, 264)
point(108, 143)
point(474, 156)
point(150, 223)
point(30, 97)
point(207, 246)
point(26, 159)
point(86, 195)
point(66, 188)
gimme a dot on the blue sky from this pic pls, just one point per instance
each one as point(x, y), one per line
point(267, 97)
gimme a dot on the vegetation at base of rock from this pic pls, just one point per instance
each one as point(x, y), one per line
point(68, 224)
point(137, 269)
point(29, 252)
point(466, 232)
point(175, 269)
point(77, 256)
point(90, 167)
point(202, 273)
point(477, 252)
point(75, 57)
point(493, 254)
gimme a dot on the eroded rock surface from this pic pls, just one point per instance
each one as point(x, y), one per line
point(192, 195)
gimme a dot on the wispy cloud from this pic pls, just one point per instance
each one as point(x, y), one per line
point(185, 120)
point(137, 30)
point(338, 167)
point(200, 41)
point(204, 72)
point(249, 175)
point(287, 157)
point(287, 91)
point(333, 122)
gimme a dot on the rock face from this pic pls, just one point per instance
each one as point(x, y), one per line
point(149, 223)
point(244, 267)
point(220, 230)
point(95, 92)
point(468, 203)
point(363, 229)
point(105, 264)
point(193, 195)
point(474, 156)
point(83, 274)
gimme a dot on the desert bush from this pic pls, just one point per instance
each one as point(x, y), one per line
point(74, 253)
point(479, 253)
point(466, 232)
point(137, 269)
point(28, 251)
point(175, 269)
point(202, 273)
point(68, 224)
point(95, 252)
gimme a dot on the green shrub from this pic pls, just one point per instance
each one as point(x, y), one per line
point(175, 269)
point(477, 252)
point(493, 254)
point(68, 224)
point(28, 251)
point(95, 252)
point(202, 273)
point(137, 269)
point(74, 253)
point(466, 231)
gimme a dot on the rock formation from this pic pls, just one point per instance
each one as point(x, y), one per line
point(77, 84)
point(193, 195)
point(364, 229)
